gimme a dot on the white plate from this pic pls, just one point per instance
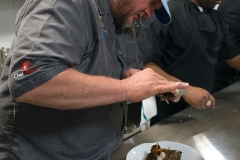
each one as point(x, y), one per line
point(141, 151)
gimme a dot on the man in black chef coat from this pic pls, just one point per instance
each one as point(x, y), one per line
point(224, 74)
point(187, 49)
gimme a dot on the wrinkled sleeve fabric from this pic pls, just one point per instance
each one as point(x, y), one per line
point(49, 36)
point(228, 49)
point(151, 41)
point(232, 15)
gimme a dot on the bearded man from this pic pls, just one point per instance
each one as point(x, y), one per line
point(67, 78)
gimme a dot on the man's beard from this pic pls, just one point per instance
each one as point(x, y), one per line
point(121, 18)
point(122, 21)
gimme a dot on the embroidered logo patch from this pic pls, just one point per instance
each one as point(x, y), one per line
point(25, 70)
point(104, 31)
point(25, 65)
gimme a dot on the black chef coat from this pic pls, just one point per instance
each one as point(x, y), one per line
point(187, 48)
point(231, 11)
point(224, 74)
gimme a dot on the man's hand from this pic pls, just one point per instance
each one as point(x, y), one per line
point(128, 73)
point(146, 83)
point(198, 98)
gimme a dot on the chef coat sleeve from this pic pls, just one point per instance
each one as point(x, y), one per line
point(228, 48)
point(49, 38)
point(232, 15)
point(151, 41)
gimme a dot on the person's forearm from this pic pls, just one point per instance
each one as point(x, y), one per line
point(234, 62)
point(161, 72)
point(128, 73)
point(74, 90)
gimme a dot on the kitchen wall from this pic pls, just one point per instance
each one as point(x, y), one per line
point(8, 11)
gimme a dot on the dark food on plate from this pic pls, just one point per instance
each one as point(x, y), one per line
point(158, 153)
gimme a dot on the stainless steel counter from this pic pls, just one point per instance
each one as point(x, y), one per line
point(214, 133)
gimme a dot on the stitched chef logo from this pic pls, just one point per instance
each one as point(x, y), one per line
point(25, 65)
point(104, 31)
point(25, 70)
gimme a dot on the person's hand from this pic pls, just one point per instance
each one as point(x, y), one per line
point(199, 98)
point(147, 83)
point(128, 73)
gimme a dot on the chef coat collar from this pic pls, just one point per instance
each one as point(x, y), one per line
point(104, 7)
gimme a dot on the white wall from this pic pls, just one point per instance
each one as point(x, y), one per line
point(8, 11)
